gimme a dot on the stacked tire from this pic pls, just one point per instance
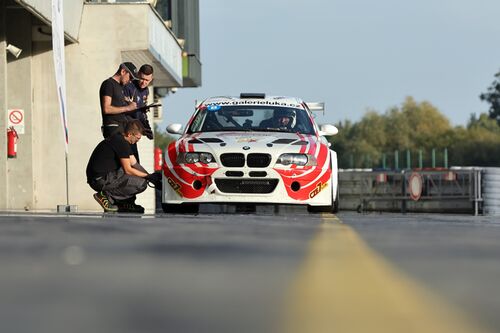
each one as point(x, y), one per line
point(491, 191)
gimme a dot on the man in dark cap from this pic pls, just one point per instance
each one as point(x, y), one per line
point(114, 105)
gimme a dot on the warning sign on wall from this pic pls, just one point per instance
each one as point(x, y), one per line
point(16, 120)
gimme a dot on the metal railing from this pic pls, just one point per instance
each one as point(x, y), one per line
point(460, 185)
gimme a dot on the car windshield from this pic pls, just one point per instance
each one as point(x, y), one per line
point(216, 118)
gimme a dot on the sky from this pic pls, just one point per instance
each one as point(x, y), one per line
point(354, 55)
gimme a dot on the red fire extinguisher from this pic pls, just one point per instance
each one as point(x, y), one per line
point(12, 142)
point(157, 159)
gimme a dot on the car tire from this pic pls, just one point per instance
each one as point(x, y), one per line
point(336, 202)
point(180, 208)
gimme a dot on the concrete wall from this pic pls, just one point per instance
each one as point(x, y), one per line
point(105, 31)
point(3, 107)
point(48, 144)
point(19, 92)
point(36, 179)
point(72, 10)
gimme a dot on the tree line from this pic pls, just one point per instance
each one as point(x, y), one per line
point(416, 128)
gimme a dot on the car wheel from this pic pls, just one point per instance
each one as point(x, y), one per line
point(335, 207)
point(180, 208)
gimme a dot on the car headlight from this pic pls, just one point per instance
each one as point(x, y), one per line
point(206, 158)
point(191, 158)
point(297, 159)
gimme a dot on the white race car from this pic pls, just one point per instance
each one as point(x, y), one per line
point(252, 149)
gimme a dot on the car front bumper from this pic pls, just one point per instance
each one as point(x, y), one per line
point(311, 187)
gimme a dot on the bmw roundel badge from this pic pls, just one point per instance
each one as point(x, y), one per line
point(246, 147)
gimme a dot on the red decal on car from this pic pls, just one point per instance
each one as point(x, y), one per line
point(308, 177)
point(185, 175)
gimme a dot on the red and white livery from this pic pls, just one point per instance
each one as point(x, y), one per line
point(251, 149)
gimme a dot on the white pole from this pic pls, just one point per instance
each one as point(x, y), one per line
point(60, 75)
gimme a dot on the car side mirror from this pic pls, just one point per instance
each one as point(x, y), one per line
point(174, 129)
point(327, 130)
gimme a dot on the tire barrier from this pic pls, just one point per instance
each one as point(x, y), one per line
point(491, 191)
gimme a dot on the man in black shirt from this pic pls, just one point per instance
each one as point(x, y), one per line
point(114, 104)
point(114, 173)
point(138, 91)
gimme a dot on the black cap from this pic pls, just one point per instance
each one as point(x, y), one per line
point(130, 67)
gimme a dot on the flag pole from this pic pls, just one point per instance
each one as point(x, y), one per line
point(60, 75)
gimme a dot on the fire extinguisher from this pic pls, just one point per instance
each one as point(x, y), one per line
point(157, 159)
point(12, 142)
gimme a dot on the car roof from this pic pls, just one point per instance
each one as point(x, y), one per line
point(270, 100)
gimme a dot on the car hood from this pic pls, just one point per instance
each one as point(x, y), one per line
point(270, 142)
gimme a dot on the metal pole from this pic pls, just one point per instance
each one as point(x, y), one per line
point(433, 157)
point(67, 183)
point(403, 201)
point(396, 160)
point(476, 177)
point(408, 159)
point(383, 161)
point(446, 158)
point(420, 162)
point(479, 195)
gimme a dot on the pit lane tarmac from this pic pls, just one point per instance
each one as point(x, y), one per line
point(261, 271)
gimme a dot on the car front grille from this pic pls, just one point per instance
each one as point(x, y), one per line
point(232, 160)
point(246, 185)
point(258, 160)
point(237, 160)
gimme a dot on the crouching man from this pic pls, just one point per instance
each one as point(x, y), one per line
point(113, 171)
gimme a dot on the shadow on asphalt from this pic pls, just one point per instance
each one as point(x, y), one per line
point(242, 209)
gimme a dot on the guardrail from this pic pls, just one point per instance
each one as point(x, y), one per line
point(450, 190)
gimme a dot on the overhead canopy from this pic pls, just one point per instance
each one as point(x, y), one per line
point(72, 14)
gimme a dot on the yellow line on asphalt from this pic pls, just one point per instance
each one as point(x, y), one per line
point(345, 287)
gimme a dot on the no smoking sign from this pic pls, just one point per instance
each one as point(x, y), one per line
point(16, 120)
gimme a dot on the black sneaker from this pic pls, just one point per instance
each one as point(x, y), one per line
point(104, 202)
point(139, 208)
point(127, 207)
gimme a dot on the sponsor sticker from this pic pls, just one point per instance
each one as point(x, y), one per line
point(213, 107)
point(317, 189)
point(257, 102)
point(174, 185)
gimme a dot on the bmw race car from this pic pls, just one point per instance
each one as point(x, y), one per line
point(252, 149)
